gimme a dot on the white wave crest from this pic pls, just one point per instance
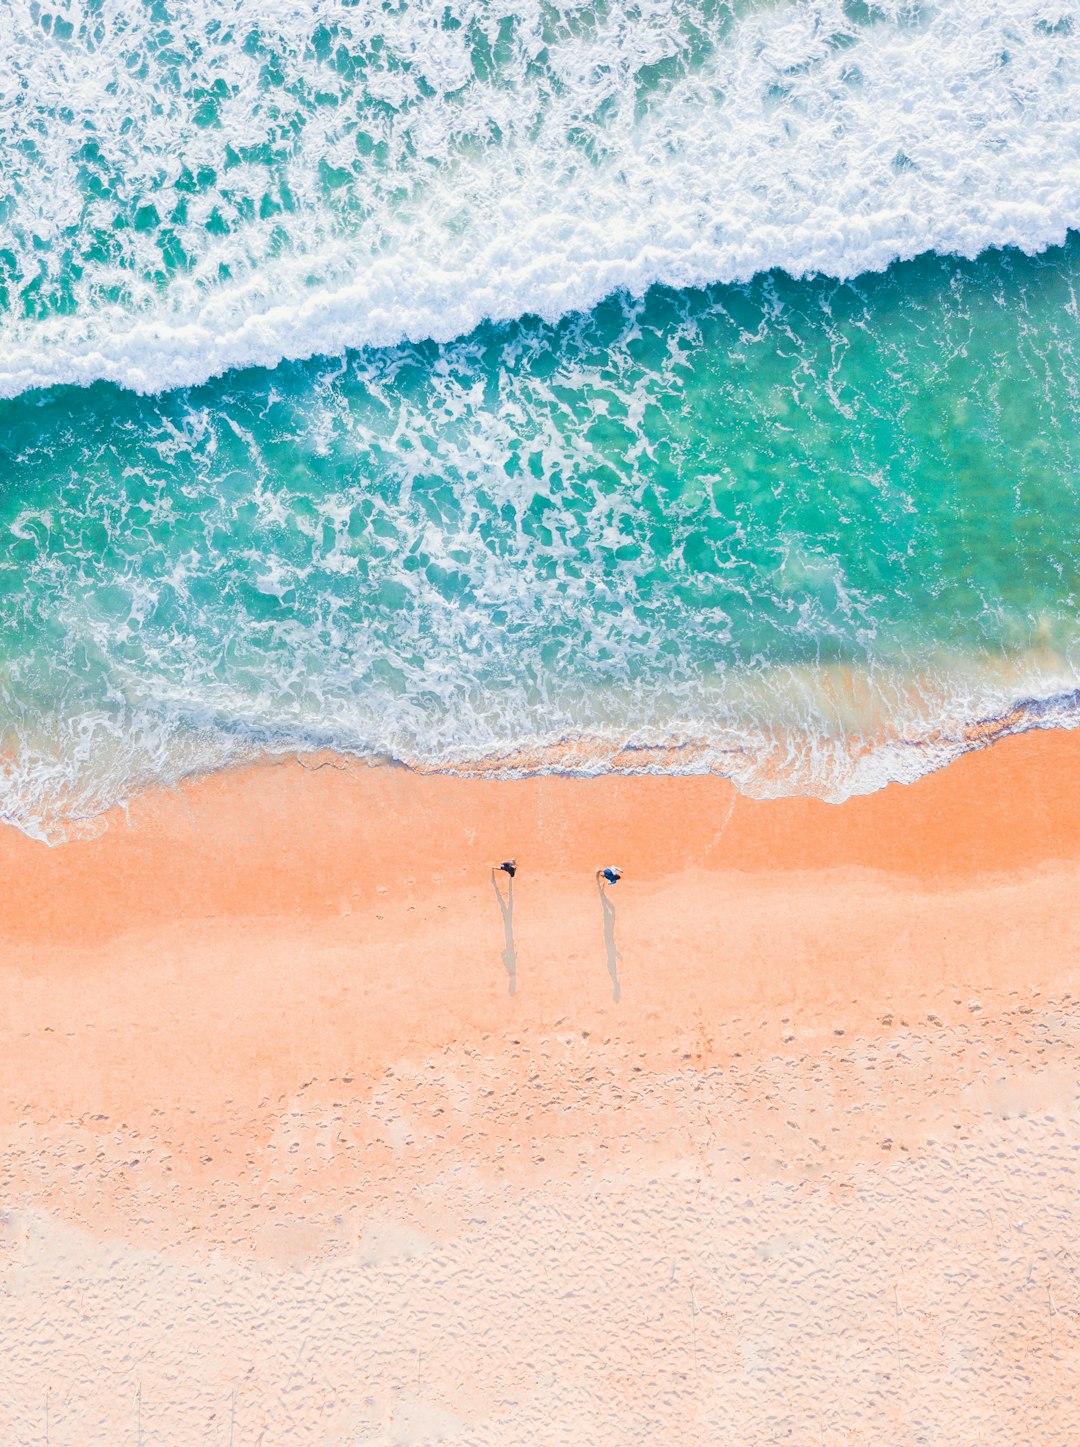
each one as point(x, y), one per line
point(512, 164)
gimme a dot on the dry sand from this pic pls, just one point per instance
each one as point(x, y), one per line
point(303, 1144)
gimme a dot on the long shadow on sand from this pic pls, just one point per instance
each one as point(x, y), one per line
point(613, 955)
point(509, 954)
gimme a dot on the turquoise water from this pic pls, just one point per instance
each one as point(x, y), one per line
point(596, 448)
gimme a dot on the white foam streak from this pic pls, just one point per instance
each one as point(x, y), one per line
point(799, 141)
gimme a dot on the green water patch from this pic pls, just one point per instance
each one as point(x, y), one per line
point(652, 516)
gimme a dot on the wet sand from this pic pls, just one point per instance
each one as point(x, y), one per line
point(310, 1137)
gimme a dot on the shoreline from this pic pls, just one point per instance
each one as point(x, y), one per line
point(872, 761)
point(1014, 781)
point(378, 881)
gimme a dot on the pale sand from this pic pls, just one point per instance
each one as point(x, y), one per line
point(284, 1161)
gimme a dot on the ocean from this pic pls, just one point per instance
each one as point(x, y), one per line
point(504, 388)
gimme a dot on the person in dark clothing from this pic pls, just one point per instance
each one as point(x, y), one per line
point(612, 874)
point(506, 906)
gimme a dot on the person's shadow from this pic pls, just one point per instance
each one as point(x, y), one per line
point(613, 955)
point(506, 905)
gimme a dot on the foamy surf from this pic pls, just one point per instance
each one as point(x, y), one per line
point(55, 798)
point(802, 534)
point(270, 183)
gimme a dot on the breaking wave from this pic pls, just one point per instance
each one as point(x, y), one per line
point(230, 183)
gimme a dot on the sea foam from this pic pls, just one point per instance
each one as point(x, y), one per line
point(813, 536)
point(183, 194)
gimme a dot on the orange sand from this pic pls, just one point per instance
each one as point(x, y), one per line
point(780, 1149)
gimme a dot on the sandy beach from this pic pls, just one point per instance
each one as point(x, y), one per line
point(308, 1137)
